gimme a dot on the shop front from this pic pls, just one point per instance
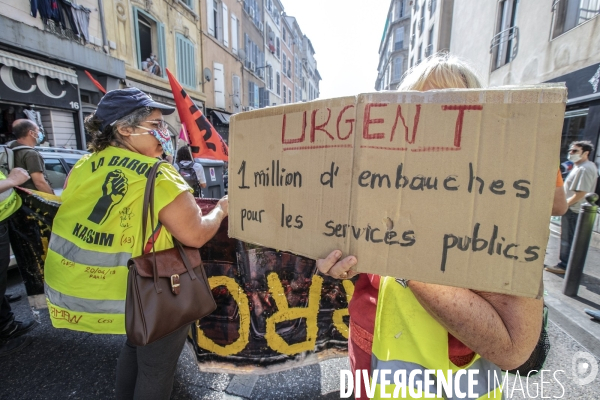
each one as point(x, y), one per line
point(582, 116)
point(43, 92)
point(220, 121)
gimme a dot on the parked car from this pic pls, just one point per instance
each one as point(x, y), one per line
point(58, 163)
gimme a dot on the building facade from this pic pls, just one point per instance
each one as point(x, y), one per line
point(223, 64)
point(522, 42)
point(288, 59)
point(393, 49)
point(430, 28)
point(152, 36)
point(44, 56)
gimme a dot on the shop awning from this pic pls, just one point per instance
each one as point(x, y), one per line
point(38, 67)
point(224, 118)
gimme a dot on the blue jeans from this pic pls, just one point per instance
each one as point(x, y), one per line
point(568, 223)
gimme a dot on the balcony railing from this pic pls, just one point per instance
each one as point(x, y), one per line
point(66, 33)
point(505, 46)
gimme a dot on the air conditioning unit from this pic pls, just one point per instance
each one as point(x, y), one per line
point(252, 66)
point(261, 26)
point(261, 73)
point(251, 12)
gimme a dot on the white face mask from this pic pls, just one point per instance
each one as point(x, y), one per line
point(574, 157)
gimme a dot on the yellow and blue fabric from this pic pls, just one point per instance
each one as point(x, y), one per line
point(407, 338)
point(97, 229)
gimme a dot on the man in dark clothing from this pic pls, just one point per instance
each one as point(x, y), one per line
point(28, 134)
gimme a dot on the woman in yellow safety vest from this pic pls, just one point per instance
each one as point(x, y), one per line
point(98, 228)
point(405, 328)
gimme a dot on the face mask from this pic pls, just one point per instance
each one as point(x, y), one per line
point(39, 138)
point(574, 157)
point(162, 135)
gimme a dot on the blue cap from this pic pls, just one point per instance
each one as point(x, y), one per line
point(119, 103)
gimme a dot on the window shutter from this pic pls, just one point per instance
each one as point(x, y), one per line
point(210, 22)
point(137, 37)
point(225, 26)
point(234, 34)
point(162, 48)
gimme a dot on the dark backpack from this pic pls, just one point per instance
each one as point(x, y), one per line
point(189, 174)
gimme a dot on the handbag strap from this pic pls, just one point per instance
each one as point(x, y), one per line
point(149, 206)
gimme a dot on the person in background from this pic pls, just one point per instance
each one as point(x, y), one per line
point(435, 326)
point(11, 330)
point(580, 181)
point(98, 228)
point(190, 170)
point(28, 135)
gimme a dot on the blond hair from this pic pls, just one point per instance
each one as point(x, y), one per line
point(440, 71)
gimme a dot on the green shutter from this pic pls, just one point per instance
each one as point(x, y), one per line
point(162, 49)
point(137, 36)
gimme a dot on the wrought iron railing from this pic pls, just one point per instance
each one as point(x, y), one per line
point(508, 37)
point(64, 33)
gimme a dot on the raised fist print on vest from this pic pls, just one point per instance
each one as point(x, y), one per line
point(113, 190)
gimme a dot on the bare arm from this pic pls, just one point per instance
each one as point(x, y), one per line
point(40, 182)
point(183, 218)
point(16, 177)
point(501, 328)
point(575, 198)
point(559, 206)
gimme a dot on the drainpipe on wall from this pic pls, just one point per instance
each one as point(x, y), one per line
point(103, 27)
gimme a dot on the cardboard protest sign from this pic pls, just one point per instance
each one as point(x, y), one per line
point(452, 187)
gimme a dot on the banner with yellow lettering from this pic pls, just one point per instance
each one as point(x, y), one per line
point(271, 306)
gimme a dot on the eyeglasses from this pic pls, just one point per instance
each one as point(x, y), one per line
point(160, 124)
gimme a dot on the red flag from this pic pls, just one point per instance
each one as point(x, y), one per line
point(95, 82)
point(204, 139)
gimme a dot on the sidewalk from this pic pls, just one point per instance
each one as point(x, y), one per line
point(565, 311)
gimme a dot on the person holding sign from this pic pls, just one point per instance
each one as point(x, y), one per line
point(407, 325)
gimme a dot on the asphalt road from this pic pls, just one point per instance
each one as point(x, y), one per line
point(62, 364)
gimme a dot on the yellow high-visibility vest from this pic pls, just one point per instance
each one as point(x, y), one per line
point(408, 339)
point(9, 201)
point(97, 229)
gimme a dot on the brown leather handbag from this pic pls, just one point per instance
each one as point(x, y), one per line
point(166, 290)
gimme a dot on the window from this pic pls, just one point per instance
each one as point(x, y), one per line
point(269, 78)
point(284, 36)
point(399, 38)
point(186, 61)
point(253, 95)
point(254, 56)
point(278, 83)
point(298, 92)
point(55, 172)
point(400, 9)
point(189, 3)
point(432, 5)
point(289, 95)
point(429, 48)
point(284, 93)
point(398, 61)
point(284, 64)
point(236, 93)
point(411, 62)
point(504, 43)
point(298, 66)
point(420, 53)
point(150, 40)
point(570, 13)
point(277, 48)
point(289, 69)
point(573, 127)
